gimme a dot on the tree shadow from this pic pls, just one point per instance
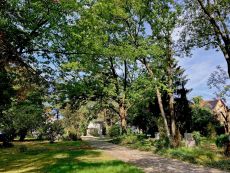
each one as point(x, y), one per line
point(59, 158)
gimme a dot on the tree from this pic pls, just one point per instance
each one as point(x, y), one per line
point(219, 81)
point(32, 31)
point(53, 129)
point(23, 116)
point(75, 122)
point(183, 111)
point(202, 118)
point(206, 24)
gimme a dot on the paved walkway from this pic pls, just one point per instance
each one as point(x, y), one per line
point(147, 161)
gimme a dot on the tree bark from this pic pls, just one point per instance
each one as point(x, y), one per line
point(122, 115)
point(22, 134)
point(227, 150)
point(160, 104)
point(159, 100)
point(170, 76)
point(227, 57)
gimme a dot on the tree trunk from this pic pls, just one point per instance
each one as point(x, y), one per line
point(160, 104)
point(22, 134)
point(227, 150)
point(227, 57)
point(159, 100)
point(170, 77)
point(226, 127)
point(122, 115)
point(172, 115)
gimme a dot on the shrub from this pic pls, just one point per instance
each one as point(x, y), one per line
point(116, 140)
point(162, 143)
point(129, 139)
point(53, 130)
point(222, 140)
point(73, 136)
point(197, 137)
point(114, 131)
point(221, 164)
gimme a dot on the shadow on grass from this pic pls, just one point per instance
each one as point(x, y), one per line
point(60, 157)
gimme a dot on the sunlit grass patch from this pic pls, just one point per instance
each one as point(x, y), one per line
point(60, 157)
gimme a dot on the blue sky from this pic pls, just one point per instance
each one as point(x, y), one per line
point(198, 68)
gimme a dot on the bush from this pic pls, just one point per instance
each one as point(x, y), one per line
point(129, 139)
point(115, 131)
point(53, 130)
point(197, 137)
point(73, 136)
point(116, 140)
point(162, 143)
point(222, 140)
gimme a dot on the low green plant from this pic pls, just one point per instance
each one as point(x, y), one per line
point(197, 137)
point(162, 143)
point(221, 164)
point(193, 155)
point(115, 131)
point(129, 139)
point(222, 140)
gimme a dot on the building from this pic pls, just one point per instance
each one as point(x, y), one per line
point(95, 128)
point(220, 111)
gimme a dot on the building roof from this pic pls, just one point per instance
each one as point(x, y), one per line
point(211, 104)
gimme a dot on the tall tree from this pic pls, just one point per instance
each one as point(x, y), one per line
point(206, 24)
point(32, 32)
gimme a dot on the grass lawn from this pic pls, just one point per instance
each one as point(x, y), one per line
point(60, 157)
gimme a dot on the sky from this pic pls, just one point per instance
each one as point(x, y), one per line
point(198, 68)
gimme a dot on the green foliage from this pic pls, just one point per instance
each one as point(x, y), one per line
point(115, 131)
point(193, 155)
point(197, 137)
point(221, 164)
point(202, 118)
point(129, 139)
point(202, 30)
point(23, 116)
point(53, 130)
point(75, 120)
point(136, 141)
point(71, 135)
point(162, 143)
point(222, 140)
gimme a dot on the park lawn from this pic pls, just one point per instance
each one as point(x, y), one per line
point(71, 157)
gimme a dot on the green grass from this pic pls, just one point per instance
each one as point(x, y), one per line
point(60, 157)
